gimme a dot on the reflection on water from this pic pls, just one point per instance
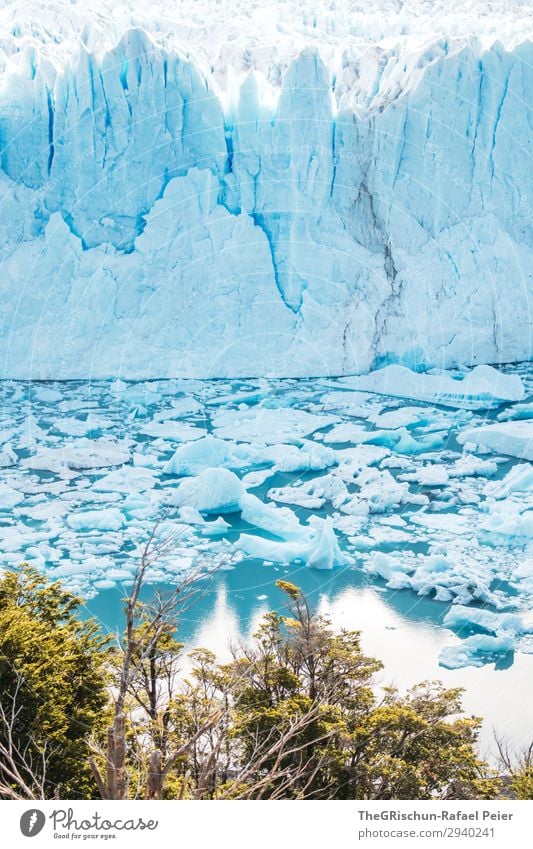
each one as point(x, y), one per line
point(404, 631)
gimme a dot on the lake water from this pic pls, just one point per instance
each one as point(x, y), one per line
point(415, 522)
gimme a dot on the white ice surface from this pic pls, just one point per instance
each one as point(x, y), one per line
point(250, 189)
point(513, 438)
point(417, 511)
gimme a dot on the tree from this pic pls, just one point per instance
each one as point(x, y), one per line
point(358, 745)
point(53, 688)
point(517, 768)
point(140, 749)
point(296, 713)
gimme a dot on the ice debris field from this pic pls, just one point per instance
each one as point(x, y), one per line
point(422, 483)
point(172, 173)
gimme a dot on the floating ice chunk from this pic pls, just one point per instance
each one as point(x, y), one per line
point(45, 511)
point(9, 497)
point(254, 479)
point(402, 417)
point(108, 519)
point(30, 433)
point(81, 427)
point(310, 457)
point(268, 425)
point(460, 579)
point(216, 528)
point(507, 523)
point(350, 524)
point(352, 460)
point(512, 438)
point(518, 479)
point(118, 387)
point(348, 403)
point(50, 460)
point(173, 431)
point(517, 411)
point(380, 491)
point(104, 584)
point(127, 479)
point(356, 506)
point(146, 460)
point(449, 523)
point(430, 475)
point(209, 452)
point(296, 495)
point(236, 398)
point(317, 547)
point(476, 650)
point(482, 388)
point(399, 440)
point(313, 494)
point(180, 408)
point(348, 432)
point(97, 454)
point(195, 457)
point(391, 536)
point(7, 434)
point(7, 457)
point(406, 443)
point(270, 550)
point(460, 617)
point(325, 552)
point(82, 456)
point(190, 515)
point(46, 394)
point(502, 630)
point(471, 466)
point(213, 491)
point(141, 505)
point(118, 574)
point(397, 463)
point(141, 395)
point(280, 522)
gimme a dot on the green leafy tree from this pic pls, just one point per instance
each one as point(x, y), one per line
point(350, 742)
point(296, 714)
point(53, 688)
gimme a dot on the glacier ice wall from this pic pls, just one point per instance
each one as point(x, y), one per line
point(371, 207)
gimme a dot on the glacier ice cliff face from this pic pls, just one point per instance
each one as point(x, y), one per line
point(359, 206)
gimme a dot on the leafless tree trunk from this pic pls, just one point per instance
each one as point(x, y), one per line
point(20, 776)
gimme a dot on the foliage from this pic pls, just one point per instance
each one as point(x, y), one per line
point(52, 684)
point(295, 714)
point(342, 739)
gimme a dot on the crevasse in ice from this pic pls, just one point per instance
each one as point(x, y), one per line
point(369, 195)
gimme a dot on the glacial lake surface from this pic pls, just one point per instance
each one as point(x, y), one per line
point(407, 518)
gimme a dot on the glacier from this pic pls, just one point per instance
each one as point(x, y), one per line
point(291, 193)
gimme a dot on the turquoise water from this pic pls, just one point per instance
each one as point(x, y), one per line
point(403, 630)
point(379, 488)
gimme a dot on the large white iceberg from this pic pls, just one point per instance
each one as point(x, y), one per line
point(482, 388)
point(512, 438)
point(213, 491)
point(317, 547)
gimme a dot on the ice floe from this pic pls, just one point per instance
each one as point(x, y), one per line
point(213, 491)
point(481, 389)
point(431, 499)
point(512, 438)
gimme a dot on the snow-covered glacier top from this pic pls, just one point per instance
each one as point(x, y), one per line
point(291, 189)
point(248, 33)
